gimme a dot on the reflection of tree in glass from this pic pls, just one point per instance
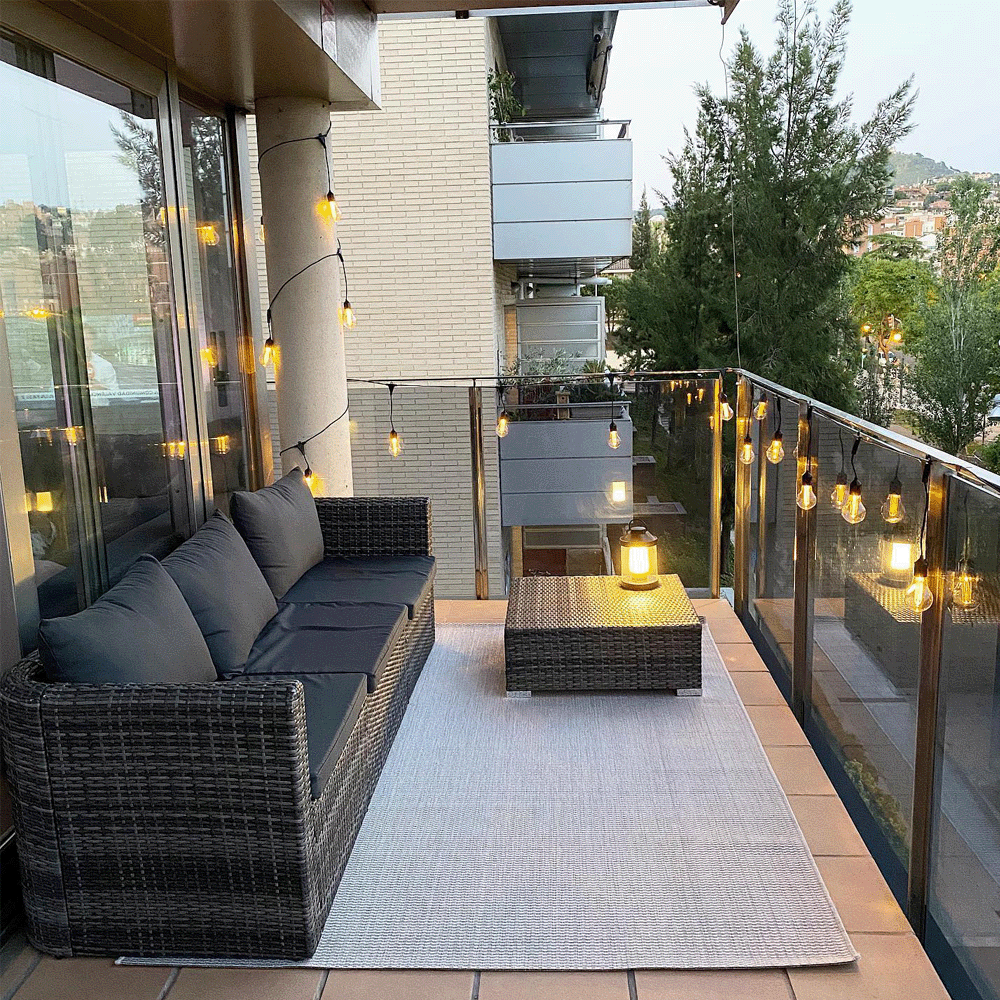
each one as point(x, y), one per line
point(140, 150)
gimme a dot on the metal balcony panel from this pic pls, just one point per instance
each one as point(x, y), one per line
point(524, 242)
point(562, 202)
point(548, 439)
point(561, 162)
point(560, 475)
point(528, 509)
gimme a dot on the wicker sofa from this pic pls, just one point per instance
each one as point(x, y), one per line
point(185, 820)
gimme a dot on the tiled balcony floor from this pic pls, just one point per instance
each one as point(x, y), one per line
point(892, 967)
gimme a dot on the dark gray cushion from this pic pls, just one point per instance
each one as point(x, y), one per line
point(141, 631)
point(225, 589)
point(333, 704)
point(329, 638)
point(281, 528)
point(369, 579)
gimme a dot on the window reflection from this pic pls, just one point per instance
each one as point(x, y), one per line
point(85, 295)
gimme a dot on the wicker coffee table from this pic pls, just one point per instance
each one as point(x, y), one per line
point(587, 633)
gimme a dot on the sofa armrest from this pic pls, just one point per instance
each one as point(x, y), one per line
point(148, 794)
point(375, 526)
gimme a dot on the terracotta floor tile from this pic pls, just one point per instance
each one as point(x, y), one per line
point(390, 984)
point(246, 984)
point(740, 656)
point(757, 688)
point(92, 979)
point(553, 986)
point(721, 984)
point(776, 726)
point(891, 967)
point(827, 826)
point(798, 770)
point(727, 630)
point(469, 612)
point(861, 896)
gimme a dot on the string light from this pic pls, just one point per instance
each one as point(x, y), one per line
point(267, 355)
point(614, 438)
point(310, 477)
point(725, 406)
point(395, 443)
point(746, 450)
point(918, 596)
point(503, 420)
point(892, 508)
point(839, 493)
point(776, 449)
point(853, 510)
point(806, 496)
point(963, 588)
point(760, 411)
point(348, 318)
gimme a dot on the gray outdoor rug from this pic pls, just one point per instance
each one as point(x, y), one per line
point(610, 831)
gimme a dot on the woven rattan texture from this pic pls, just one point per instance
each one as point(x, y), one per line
point(588, 633)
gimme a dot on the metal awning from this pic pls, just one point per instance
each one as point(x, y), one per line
point(410, 8)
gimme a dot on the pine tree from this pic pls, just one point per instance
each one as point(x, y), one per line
point(642, 235)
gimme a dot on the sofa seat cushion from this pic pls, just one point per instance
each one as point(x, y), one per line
point(225, 590)
point(281, 528)
point(333, 705)
point(403, 580)
point(140, 632)
point(329, 638)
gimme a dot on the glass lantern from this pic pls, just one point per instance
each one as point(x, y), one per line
point(638, 559)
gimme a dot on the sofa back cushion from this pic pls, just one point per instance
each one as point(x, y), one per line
point(281, 528)
point(140, 632)
point(225, 589)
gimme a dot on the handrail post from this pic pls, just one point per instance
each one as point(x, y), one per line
point(741, 567)
point(478, 494)
point(715, 526)
point(929, 737)
point(805, 552)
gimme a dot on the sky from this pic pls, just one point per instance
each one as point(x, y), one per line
point(949, 46)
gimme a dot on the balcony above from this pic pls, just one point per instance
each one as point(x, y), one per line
point(562, 196)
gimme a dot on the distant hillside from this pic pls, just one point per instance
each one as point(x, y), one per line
point(913, 168)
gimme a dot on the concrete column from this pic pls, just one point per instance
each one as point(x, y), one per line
point(310, 371)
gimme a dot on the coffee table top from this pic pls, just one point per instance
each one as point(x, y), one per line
point(578, 602)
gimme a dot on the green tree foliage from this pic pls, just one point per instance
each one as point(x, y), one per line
point(883, 287)
point(957, 368)
point(642, 236)
point(802, 178)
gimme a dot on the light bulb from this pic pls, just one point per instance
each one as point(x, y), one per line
point(760, 410)
point(853, 511)
point(311, 480)
point(614, 438)
point(839, 492)
point(335, 213)
point(348, 317)
point(776, 449)
point(727, 410)
point(897, 336)
point(619, 492)
point(918, 596)
point(43, 502)
point(893, 510)
point(963, 589)
point(268, 353)
point(503, 424)
point(746, 451)
point(806, 496)
point(262, 233)
point(210, 356)
point(701, 393)
point(395, 443)
point(208, 234)
point(690, 399)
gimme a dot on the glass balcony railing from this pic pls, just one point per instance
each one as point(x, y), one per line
point(900, 699)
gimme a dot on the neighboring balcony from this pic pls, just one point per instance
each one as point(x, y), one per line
point(562, 195)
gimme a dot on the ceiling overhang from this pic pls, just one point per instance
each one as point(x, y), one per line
point(415, 8)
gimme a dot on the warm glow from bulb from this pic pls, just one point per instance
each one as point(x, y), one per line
point(175, 449)
point(806, 497)
point(638, 560)
point(893, 510)
point(776, 449)
point(690, 399)
point(313, 481)
point(918, 596)
point(897, 336)
point(760, 411)
point(210, 356)
point(839, 493)
point(619, 492)
point(262, 231)
point(74, 435)
point(102, 494)
point(328, 209)
point(503, 424)
point(963, 588)
point(221, 444)
point(701, 393)
point(348, 317)
point(853, 511)
point(866, 328)
point(39, 312)
point(727, 409)
point(162, 216)
point(269, 353)
point(900, 556)
point(209, 234)
point(395, 444)
point(43, 502)
point(746, 451)
point(614, 438)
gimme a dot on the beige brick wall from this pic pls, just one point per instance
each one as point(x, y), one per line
point(413, 182)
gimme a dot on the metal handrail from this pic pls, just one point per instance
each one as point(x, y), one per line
point(597, 124)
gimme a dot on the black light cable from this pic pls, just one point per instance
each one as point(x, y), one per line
point(919, 596)
point(853, 510)
point(614, 438)
point(776, 449)
point(839, 494)
point(347, 314)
